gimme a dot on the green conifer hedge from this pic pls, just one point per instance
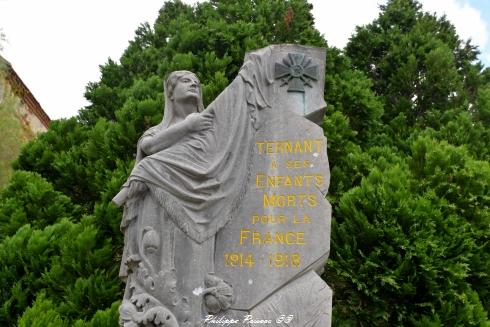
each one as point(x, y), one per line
point(409, 139)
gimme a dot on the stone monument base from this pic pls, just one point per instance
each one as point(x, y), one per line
point(305, 302)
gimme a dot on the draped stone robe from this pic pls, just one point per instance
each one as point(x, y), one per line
point(195, 187)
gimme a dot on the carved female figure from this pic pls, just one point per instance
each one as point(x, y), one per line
point(190, 176)
point(151, 294)
point(183, 103)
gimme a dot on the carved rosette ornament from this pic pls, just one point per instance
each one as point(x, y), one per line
point(218, 295)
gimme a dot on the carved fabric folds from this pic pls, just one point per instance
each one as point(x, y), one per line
point(199, 181)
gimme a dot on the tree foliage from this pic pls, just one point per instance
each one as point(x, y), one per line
point(411, 200)
point(408, 130)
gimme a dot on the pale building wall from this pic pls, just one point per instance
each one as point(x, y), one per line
point(21, 118)
point(30, 120)
point(30, 111)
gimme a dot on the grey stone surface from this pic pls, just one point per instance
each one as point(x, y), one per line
point(225, 211)
point(298, 213)
point(305, 302)
point(299, 60)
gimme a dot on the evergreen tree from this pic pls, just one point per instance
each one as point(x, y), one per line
point(408, 130)
point(60, 261)
point(410, 235)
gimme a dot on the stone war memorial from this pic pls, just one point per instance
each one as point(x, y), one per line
point(225, 219)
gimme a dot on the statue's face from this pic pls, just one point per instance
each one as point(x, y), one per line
point(186, 89)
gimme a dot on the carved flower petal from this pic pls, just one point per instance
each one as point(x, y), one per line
point(126, 311)
point(151, 240)
point(140, 299)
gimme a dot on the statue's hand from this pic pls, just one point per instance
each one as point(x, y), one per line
point(199, 122)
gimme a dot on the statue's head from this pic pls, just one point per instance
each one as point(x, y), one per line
point(182, 87)
point(185, 86)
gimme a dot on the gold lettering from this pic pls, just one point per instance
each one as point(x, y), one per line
point(302, 199)
point(308, 180)
point(318, 145)
point(276, 238)
point(269, 201)
point(281, 201)
point(298, 148)
point(285, 147)
point(300, 238)
point(319, 180)
point(275, 181)
point(259, 180)
point(312, 201)
point(289, 200)
point(293, 236)
point(272, 181)
point(255, 238)
point(279, 238)
point(268, 219)
point(306, 220)
point(308, 144)
point(267, 239)
point(270, 148)
point(260, 145)
point(244, 234)
point(290, 164)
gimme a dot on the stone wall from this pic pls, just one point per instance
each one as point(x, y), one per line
point(21, 118)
